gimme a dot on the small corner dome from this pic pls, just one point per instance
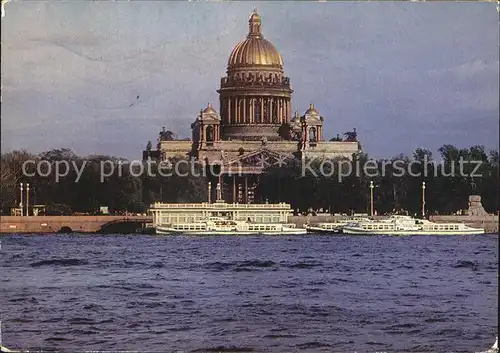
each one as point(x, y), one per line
point(311, 110)
point(209, 109)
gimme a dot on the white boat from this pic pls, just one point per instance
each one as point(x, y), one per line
point(331, 227)
point(222, 226)
point(325, 227)
point(406, 225)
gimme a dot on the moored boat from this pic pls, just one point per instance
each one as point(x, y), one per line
point(325, 227)
point(331, 227)
point(221, 226)
point(406, 225)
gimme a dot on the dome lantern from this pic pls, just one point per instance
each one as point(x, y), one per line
point(254, 25)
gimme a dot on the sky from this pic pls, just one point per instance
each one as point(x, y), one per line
point(404, 74)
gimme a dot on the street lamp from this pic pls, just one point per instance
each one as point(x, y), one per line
point(371, 198)
point(21, 203)
point(423, 199)
point(27, 199)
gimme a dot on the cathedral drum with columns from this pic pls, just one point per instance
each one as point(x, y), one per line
point(255, 127)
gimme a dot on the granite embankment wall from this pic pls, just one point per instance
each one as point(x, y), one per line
point(92, 224)
point(54, 224)
point(489, 223)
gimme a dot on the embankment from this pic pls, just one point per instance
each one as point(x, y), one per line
point(68, 224)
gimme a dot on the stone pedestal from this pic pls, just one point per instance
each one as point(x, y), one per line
point(475, 206)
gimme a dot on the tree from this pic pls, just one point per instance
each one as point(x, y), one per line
point(422, 154)
point(11, 173)
point(285, 131)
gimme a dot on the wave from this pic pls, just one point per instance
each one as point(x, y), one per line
point(314, 344)
point(304, 265)
point(465, 264)
point(80, 321)
point(280, 336)
point(95, 307)
point(230, 349)
point(60, 262)
point(157, 265)
point(248, 265)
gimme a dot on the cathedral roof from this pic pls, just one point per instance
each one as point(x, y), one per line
point(255, 50)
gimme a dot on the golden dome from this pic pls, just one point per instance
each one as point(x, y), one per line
point(311, 110)
point(209, 109)
point(255, 50)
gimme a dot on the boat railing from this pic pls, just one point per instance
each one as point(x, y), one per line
point(159, 205)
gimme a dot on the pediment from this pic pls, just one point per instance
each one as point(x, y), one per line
point(263, 158)
point(210, 119)
point(313, 120)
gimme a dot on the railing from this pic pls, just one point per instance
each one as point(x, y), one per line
point(158, 205)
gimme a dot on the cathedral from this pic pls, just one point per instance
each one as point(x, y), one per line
point(254, 128)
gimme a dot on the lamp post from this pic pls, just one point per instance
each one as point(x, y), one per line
point(21, 202)
point(209, 192)
point(423, 199)
point(219, 192)
point(27, 199)
point(371, 198)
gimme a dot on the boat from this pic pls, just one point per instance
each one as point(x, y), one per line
point(223, 226)
point(331, 227)
point(325, 227)
point(406, 225)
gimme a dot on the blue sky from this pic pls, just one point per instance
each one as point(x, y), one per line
point(405, 74)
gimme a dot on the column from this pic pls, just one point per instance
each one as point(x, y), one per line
point(252, 115)
point(229, 110)
point(245, 110)
point(271, 110)
point(261, 110)
point(280, 115)
point(234, 188)
point(246, 189)
point(237, 110)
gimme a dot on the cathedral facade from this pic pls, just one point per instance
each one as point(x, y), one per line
point(254, 127)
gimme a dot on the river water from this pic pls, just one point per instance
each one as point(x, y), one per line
point(249, 294)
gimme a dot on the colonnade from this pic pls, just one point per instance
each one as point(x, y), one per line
point(255, 110)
